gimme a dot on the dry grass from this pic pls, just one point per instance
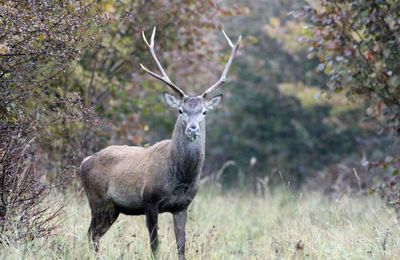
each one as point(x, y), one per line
point(238, 226)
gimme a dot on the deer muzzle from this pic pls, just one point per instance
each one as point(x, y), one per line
point(192, 132)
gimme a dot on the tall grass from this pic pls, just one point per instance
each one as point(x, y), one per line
point(236, 225)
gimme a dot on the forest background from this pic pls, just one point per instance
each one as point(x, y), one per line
point(312, 100)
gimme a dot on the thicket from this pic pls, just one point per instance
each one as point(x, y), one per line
point(39, 40)
point(358, 44)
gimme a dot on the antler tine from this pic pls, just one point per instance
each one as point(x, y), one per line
point(234, 48)
point(164, 78)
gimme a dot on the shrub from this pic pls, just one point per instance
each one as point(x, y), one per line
point(39, 39)
point(358, 45)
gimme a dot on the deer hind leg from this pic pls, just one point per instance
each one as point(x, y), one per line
point(103, 216)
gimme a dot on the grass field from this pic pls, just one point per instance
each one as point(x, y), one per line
point(237, 226)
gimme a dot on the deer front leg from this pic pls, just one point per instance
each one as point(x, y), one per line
point(179, 228)
point(151, 221)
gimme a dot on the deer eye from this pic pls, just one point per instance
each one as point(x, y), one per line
point(204, 112)
point(180, 111)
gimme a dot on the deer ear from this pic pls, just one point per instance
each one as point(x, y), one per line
point(171, 100)
point(214, 102)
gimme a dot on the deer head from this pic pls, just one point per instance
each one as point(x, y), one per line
point(192, 109)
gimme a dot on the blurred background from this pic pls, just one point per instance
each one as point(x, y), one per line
point(312, 98)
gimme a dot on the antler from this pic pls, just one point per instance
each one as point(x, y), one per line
point(234, 48)
point(164, 78)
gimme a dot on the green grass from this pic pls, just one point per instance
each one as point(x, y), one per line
point(237, 226)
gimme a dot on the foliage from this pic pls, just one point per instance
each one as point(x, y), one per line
point(357, 43)
point(25, 213)
point(38, 41)
point(36, 46)
point(390, 192)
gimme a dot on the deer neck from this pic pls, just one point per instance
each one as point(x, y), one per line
point(187, 156)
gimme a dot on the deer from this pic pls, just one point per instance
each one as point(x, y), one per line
point(164, 177)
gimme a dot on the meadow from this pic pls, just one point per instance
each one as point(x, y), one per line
point(236, 225)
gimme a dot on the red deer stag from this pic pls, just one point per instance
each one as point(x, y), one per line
point(161, 178)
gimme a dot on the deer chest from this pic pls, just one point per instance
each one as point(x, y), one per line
point(180, 198)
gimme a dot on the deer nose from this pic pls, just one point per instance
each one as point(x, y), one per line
point(193, 127)
point(192, 132)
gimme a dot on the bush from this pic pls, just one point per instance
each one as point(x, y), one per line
point(39, 40)
point(25, 213)
point(358, 45)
